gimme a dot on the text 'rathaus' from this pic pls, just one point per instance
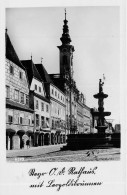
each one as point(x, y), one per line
point(40, 107)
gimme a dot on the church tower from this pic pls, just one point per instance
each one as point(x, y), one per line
point(66, 52)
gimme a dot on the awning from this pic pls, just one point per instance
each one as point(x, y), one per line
point(10, 131)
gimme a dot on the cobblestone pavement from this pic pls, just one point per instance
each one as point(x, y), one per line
point(71, 156)
point(33, 151)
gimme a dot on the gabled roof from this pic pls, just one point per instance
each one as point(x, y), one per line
point(43, 73)
point(10, 52)
point(32, 71)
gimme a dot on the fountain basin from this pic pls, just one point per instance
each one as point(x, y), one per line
point(100, 95)
point(101, 113)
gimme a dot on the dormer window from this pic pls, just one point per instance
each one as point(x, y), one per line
point(40, 89)
point(20, 75)
point(11, 69)
point(35, 87)
point(52, 91)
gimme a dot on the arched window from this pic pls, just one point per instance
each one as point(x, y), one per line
point(65, 59)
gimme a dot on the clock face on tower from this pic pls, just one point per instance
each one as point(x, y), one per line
point(64, 50)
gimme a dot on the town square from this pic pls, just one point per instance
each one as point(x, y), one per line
point(62, 106)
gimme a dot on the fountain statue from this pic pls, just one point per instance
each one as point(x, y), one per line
point(101, 122)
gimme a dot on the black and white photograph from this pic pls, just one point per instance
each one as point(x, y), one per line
point(64, 98)
point(63, 84)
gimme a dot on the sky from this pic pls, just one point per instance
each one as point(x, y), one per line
point(95, 35)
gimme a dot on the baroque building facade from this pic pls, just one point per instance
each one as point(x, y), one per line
point(64, 80)
point(80, 113)
point(87, 119)
point(75, 103)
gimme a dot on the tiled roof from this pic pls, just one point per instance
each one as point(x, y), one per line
point(31, 70)
point(10, 52)
point(43, 73)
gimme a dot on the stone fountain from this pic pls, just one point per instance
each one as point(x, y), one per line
point(101, 122)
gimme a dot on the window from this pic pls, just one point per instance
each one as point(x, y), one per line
point(20, 75)
point(7, 92)
point(11, 69)
point(47, 122)
point(35, 87)
point(42, 121)
point(55, 110)
point(27, 100)
point(37, 106)
point(47, 108)
point(65, 60)
point(37, 120)
point(61, 97)
point(21, 120)
point(55, 124)
point(55, 93)
point(39, 89)
point(52, 124)
point(16, 95)
point(10, 119)
point(22, 98)
point(29, 121)
point(42, 106)
point(58, 96)
point(52, 91)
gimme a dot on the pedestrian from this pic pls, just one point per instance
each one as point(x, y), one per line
point(28, 143)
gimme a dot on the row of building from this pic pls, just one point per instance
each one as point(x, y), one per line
point(40, 107)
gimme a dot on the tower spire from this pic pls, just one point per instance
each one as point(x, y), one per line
point(65, 39)
point(65, 13)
